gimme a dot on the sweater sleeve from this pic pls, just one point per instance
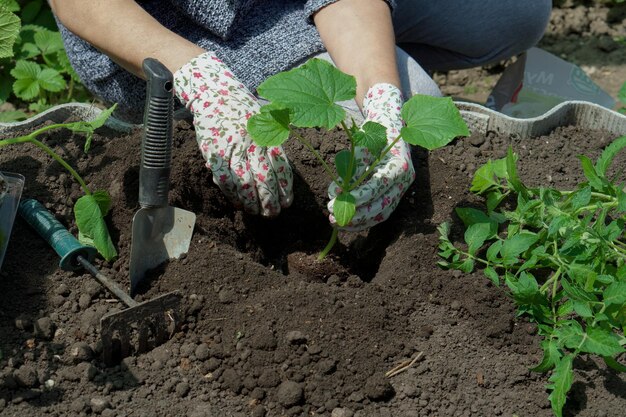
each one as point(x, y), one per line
point(312, 6)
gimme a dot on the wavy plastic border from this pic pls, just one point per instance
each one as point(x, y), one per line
point(479, 118)
point(568, 113)
point(59, 114)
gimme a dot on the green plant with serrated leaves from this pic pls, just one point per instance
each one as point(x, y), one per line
point(307, 97)
point(35, 70)
point(91, 208)
point(562, 255)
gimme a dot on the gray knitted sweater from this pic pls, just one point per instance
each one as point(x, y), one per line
point(255, 38)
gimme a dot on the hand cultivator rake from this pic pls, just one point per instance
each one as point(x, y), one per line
point(136, 329)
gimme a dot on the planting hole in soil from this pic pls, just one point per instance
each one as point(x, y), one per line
point(260, 336)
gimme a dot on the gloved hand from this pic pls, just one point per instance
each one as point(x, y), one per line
point(378, 196)
point(259, 179)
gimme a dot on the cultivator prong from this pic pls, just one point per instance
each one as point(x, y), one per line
point(139, 328)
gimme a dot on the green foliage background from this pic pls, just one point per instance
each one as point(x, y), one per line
point(35, 72)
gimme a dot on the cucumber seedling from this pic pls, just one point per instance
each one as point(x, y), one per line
point(308, 96)
point(91, 208)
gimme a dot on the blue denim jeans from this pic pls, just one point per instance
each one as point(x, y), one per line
point(455, 34)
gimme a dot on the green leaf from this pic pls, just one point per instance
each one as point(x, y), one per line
point(50, 80)
point(89, 214)
point(494, 250)
point(48, 41)
point(270, 127)
point(615, 293)
point(12, 116)
point(344, 208)
point(476, 235)
point(581, 198)
point(583, 309)
point(467, 266)
point(103, 199)
point(486, 177)
point(26, 85)
point(551, 356)
point(601, 342)
point(31, 10)
point(515, 245)
point(471, 216)
point(9, 29)
point(613, 364)
point(11, 5)
point(525, 289)
point(570, 334)
point(345, 165)
point(605, 160)
point(575, 293)
point(431, 122)
point(492, 275)
point(373, 136)
point(590, 172)
point(310, 92)
point(560, 384)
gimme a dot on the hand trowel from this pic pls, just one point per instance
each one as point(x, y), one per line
point(160, 232)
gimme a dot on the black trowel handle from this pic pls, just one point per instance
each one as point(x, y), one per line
point(156, 146)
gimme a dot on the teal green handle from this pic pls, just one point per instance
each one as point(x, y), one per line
point(57, 236)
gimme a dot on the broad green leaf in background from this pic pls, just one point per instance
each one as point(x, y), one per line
point(431, 122)
point(90, 211)
point(344, 208)
point(311, 92)
point(560, 384)
point(48, 42)
point(373, 136)
point(270, 127)
point(9, 29)
point(26, 85)
point(12, 116)
point(30, 79)
point(30, 10)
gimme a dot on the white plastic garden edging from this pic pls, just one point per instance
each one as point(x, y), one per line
point(570, 113)
point(479, 119)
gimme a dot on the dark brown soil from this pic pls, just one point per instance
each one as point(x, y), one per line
point(269, 332)
point(261, 335)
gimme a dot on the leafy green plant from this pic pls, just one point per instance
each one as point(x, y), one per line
point(562, 255)
point(307, 96)
point(91, 208)
point(35, 70)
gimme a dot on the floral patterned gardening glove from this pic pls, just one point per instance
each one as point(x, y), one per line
point(378, 196)
point(255, 178)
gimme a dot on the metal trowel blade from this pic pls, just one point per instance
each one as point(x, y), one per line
point(158, 234)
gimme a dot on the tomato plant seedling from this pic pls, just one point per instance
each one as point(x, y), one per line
point(562, 255)
point(90, 209)
point(307, 97)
